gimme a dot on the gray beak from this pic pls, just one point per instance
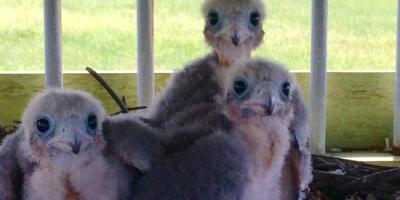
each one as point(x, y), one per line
point(76, 147)
point(269, 107)
point(235, 39)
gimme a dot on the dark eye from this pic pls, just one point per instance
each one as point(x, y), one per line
point(286, 88)
point(92, 122)
point(43, 125)
point(213, 18)
point(240, 86)
point(255, 18)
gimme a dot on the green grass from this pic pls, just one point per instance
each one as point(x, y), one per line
point(101, 33)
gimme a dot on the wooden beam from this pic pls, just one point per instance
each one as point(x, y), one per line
point(359, 106)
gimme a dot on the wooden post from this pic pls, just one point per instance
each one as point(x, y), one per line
point(318, 76)
point(145, 79)
point(52, 43)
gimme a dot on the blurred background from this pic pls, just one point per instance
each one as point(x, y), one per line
point(101, 34)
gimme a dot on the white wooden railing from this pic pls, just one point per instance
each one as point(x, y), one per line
point(396, 103)
point(145, 63)
point(52, 43)
point(318, 75)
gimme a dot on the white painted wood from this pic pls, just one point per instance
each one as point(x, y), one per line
point(396, 103)
point(318, 76)
point(145, 68)
point(52, 43)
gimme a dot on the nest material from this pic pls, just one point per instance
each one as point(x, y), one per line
point(5, 130)
point(2, 133)
point(336, 178)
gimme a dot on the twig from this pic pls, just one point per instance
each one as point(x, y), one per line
point(123, 98)
point(120, 103)
point(390, 174)
point(360, 178)
point(132, 109)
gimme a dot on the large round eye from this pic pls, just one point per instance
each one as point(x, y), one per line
point(286, 88)
point(43, 125)
point(213, 18)
point(255, 18)
point(92, 122)
point(240, 86)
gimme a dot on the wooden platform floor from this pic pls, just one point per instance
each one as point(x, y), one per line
point(375, 158)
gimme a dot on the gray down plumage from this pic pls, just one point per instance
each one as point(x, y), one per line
point(184, 130)
point(11, 174)
point(197, 161)
point(58, 152)
point(199, 83)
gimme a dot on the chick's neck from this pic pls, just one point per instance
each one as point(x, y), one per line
point(226, 61)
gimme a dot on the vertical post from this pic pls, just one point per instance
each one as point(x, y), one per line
point(396, 103)
point(52, 41)
point(145, 79)
point(318, 75)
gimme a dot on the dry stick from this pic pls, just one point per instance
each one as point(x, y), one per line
point(352, 182)
point(121, 104)
point(130, 109)
point(323, 180)
point(386, 175)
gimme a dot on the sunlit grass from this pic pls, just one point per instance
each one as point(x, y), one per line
point(101, 34)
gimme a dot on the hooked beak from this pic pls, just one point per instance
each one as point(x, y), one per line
point(269, 107)
point(259, 107)
point(66, 146)
point(235, 39)
point(76, 147)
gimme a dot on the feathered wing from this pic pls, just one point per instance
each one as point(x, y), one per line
point(300, 155)
point(11, 175)
point(212, 167)
point(195, 84)
point(190, 159)
point(140, 145)
point(133, 141)
point(299, 125)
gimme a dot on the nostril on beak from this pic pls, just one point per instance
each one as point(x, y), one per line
point(269, 107)
point(235, 39)
point(76, 147)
